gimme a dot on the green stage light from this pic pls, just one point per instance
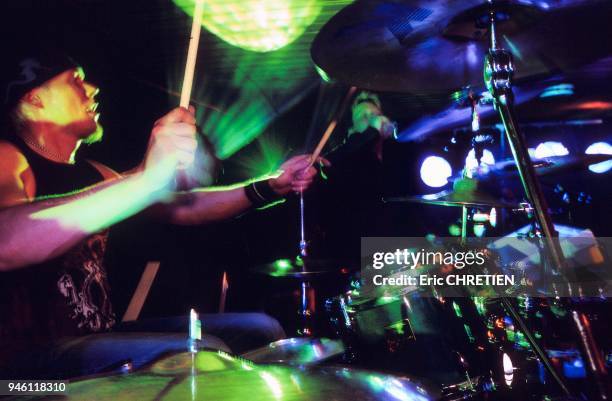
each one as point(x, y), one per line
point(250, 89)
point(256, 25)
point(269, 155)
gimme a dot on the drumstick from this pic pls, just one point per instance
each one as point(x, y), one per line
point(331, 126)
point(313, 158)
point(192, 53)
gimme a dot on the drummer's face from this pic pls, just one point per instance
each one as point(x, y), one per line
point(363, 114)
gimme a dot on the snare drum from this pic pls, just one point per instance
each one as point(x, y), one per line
point(413, 333)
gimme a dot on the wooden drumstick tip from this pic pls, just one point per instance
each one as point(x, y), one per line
point(330, 128)
point(192, 54)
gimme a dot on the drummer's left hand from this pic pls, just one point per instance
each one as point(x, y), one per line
point(295, 174)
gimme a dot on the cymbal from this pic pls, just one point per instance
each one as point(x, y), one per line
point(466, 192)
point(297, 351)
point(545, 166)
point(457, 114)
point(455, 199)
point(578, 95)
point(299, 268)
point(217, 376)
point(434, 46)
point(529, 109)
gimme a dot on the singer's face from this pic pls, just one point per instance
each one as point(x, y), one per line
point(68, 100)
point(363, 114)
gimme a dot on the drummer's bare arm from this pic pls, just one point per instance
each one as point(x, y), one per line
point(205, 205)
point(35, 230)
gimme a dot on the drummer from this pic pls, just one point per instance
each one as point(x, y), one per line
point(55, 211)
point(356, 185)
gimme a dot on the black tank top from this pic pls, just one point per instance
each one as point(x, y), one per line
point(66, 296)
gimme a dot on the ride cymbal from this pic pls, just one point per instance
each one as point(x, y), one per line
point(419, 46)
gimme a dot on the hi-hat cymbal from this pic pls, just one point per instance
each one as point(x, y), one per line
point(455, 199)
point(420, 46)
point(299, 268)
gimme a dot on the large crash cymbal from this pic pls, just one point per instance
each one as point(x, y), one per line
point(425, 46)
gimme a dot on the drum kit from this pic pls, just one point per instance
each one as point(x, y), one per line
point(472, 346)
point(430, 47)
point(467, 347)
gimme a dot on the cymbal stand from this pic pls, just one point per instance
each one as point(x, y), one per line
point(304, 309)
point(498, 78)
point(473, 99)
point(307, 300)
point(498, 72)
point(303, 245)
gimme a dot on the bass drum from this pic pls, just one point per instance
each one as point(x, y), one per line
point(217, 376)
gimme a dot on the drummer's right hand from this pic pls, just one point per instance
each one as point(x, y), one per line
point(172, 146)
point(296, 174)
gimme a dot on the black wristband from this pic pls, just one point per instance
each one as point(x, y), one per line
point(260, 193)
